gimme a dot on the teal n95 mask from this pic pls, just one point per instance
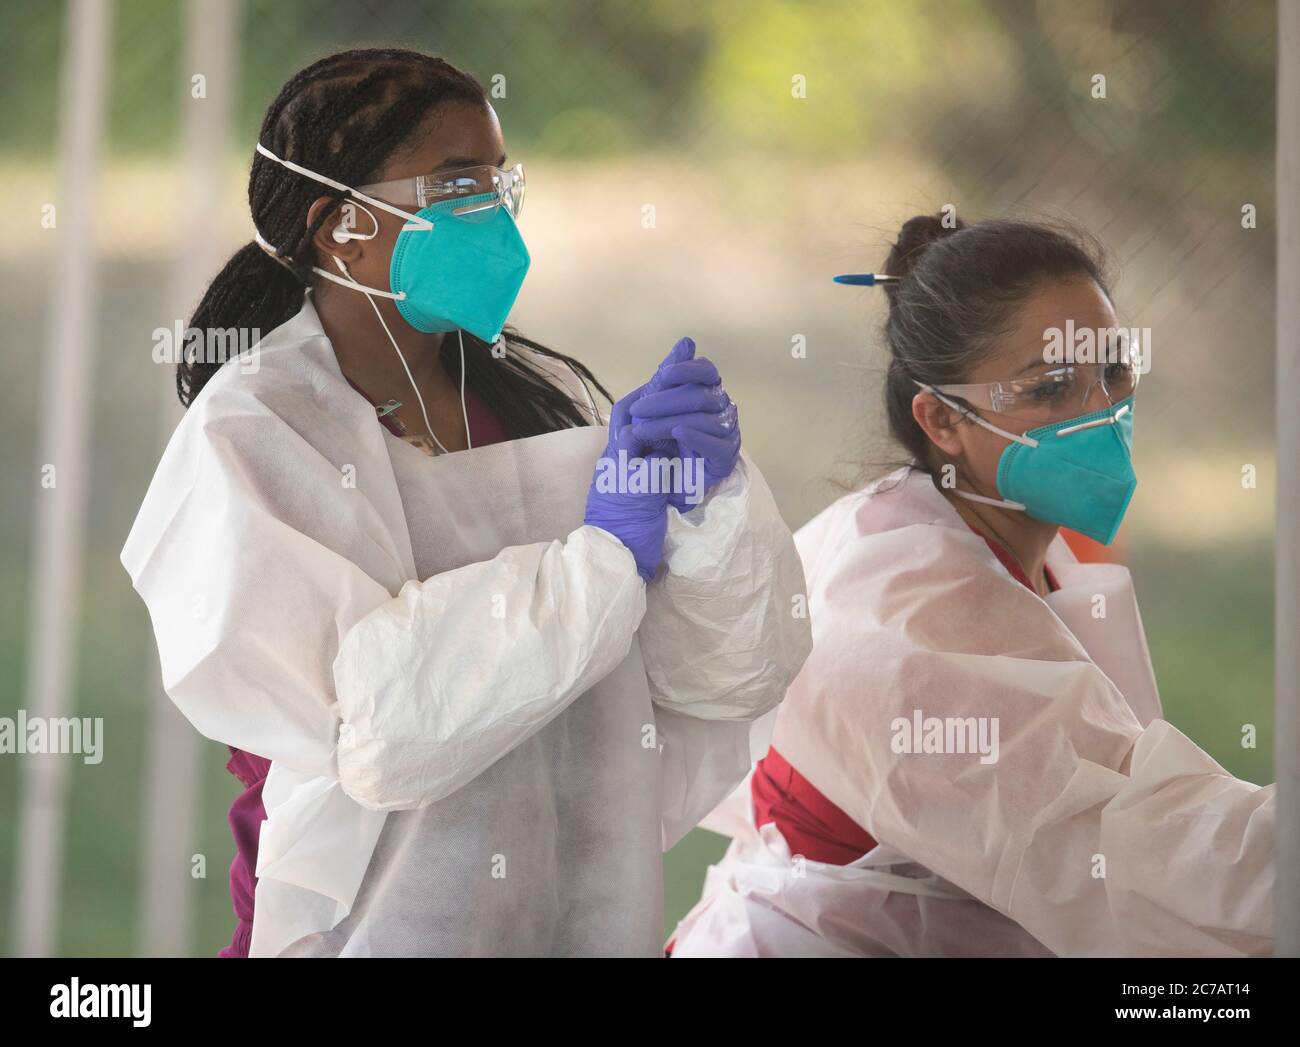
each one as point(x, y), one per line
point(458, 264)
point(1076, 473)
point(464, 272)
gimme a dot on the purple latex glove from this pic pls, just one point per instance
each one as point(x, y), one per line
point(683, 411)
point(638, 520)
point(679, 368)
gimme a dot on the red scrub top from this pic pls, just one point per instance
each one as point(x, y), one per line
point(810, 823)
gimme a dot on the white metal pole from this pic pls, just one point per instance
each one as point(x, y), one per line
point(1286, 706)
point(172, 795)
point(61, 480)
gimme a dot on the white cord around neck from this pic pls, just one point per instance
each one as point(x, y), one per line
point(464, 411)
point(410, 377)
point(1004, 503)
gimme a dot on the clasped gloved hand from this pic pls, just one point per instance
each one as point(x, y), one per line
point(683, 411)
point(638, 520)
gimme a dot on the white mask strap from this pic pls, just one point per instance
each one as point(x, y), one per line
point(269, 249)
point(412, 221)
point(1004, 503)
point(1027, 441)
point(367, 291)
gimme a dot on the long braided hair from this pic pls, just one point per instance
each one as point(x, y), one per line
point(343, 117)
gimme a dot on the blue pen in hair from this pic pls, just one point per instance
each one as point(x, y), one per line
point(865, 279)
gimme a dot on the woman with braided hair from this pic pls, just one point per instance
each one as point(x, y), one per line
point(473, 678)
point(348, 115)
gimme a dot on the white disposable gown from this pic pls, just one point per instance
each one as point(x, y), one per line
point(483, 727)
point(1100, 830)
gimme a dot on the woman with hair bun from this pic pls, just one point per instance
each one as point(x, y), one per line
point(973, 761)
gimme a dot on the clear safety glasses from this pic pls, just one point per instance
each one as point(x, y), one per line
point(1056, 393)
point(507, 183)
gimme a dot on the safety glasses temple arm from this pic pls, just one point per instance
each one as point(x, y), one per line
point(1019, 438)
point(401, 190)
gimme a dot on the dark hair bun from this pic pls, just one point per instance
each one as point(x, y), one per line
point(958, 293)
point(916, 235)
